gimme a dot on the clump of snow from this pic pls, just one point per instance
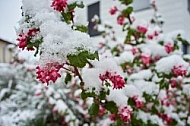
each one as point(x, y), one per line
point(147, 116)
point(80, 21)
point(156, 120)
point(186, 56)
point(188, 121)
point(60, 106)
point(166, 64)
point(173, 35)
point(62, 38)
point(105, 122)
point(143, 74)
point(118, 96)
point(125, 57)
point(63, 41)
point(108, 64)
point(91, 79)
point(131, 90)
point(95, 18)
point(31, 8)
point(100, 28)
point(186, 89)
point(148, 87)
point(154, 48)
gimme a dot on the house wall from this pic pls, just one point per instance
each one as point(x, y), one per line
point(186, 19)
point(5, 54)
point(174, 12)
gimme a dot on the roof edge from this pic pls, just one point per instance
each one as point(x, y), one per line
point(6, 41)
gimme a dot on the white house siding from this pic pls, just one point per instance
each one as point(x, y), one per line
point(174, 12)
point(186, 19)
point(176, 15)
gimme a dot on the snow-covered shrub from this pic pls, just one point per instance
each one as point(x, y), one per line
point(138, 79)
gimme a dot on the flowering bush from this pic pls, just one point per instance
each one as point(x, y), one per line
point(142, 80)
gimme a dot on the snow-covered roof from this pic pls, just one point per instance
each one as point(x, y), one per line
point(5, 41)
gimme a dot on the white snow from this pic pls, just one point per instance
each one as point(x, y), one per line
point(166, 64)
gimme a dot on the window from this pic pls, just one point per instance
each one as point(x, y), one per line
point(141, 4)
point(93, 9)
point(186, 48)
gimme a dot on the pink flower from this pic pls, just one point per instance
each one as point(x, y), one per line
point(150, 37)
point(169, 48)
point(125, 114)
point(120, 20)
point(54, 110)
point(156, 33)
point(142, 29)
point(138, 103)
point(173, 82)
point(101, 45)
point(179, 70)
point(112, 117)
point(59, 5)
point(166, 118)
point(113, 10)
point(49, 72)
point(117, 80)
point(22, 41)
point(32, 32)
point(134, 50)
point(156, 58)
point(101, 111)
point(145, 59)
point(64, 124)
point(165, 102)
point(38, 93)
point(133, 19)
point(130, 70)
point(23, 38)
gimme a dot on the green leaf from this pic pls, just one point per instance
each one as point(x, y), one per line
point(81, 59)
point(179, 38)
point(82, 28)
point(154, 109)
point(68, 78)
point(131, 102)
point(107, 84)
point(85, 94)
point(127, 11)
point(94, 109)
point(67, 17)
point(130, 1)
point(156, 102)
point(112, 107)
point(119, 122)
point(74, 5)
point(126, 2)
point(147, 96)
point(81, 5)
point(102, 95)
